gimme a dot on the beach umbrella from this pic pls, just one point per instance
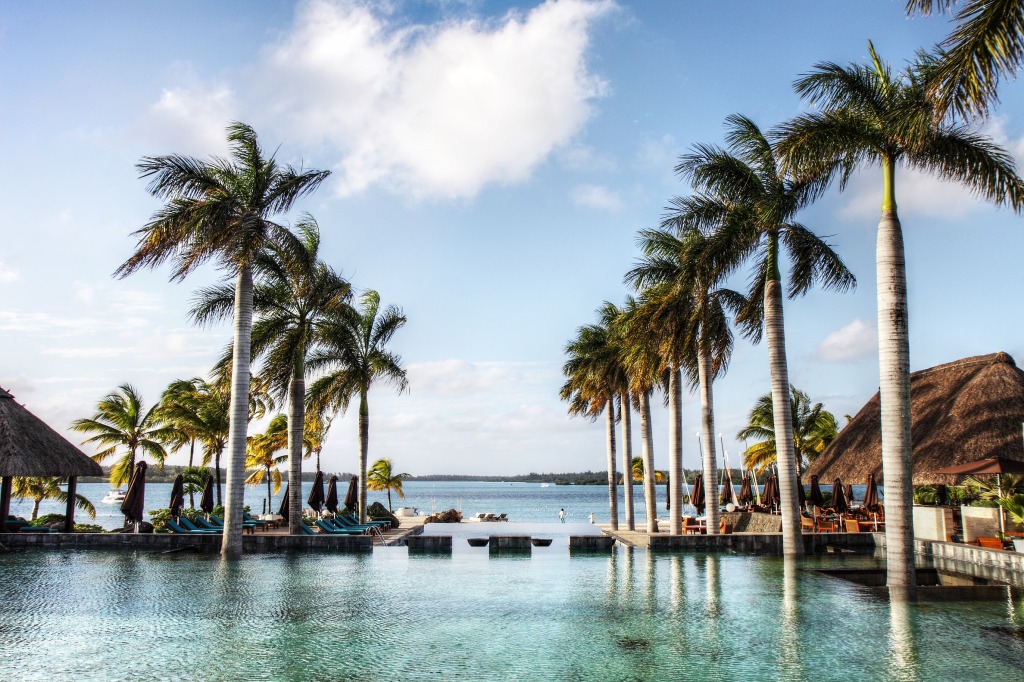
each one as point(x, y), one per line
point(697, 499)
point(352, 496)
point(331, 502)
point(206, 501)
point(746, 495)
point(871, 495)
point(848, 489)
point(283, 511)
point(816, 498)
point(134, 505)
point(177, 496)
point(839, 498)
point(770, 497)
point(316, 495)
point(727, 493)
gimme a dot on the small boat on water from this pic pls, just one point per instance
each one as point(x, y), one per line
point(114, 497)
point(545, 485)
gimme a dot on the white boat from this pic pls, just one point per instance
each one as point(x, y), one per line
point(114, 497)
point(545, 485)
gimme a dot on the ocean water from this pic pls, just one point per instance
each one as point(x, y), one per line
point(523, 502)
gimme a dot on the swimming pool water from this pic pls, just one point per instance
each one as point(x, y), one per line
point(624, 615)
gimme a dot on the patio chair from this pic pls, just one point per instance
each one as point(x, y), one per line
point(692, 527)
point(826, 525)
point(852, 525)
point(806, 524)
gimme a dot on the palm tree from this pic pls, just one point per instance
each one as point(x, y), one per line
point(262, 462)
point(871, 116)
point(746, 206)
point(353, 353)
point(221, 210)
point(122, 421)
point(381, 477)
point(293, 294)
point(594, 376)
point(689, 313)
point(987, 45)
point(814, 428)
point(39, 488)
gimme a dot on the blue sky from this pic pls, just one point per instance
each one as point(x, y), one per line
point(491, 163)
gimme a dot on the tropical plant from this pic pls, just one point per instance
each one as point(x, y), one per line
point(221, 210)
point(39, 488)
point(993, 488)
point(594, 377)
point(988, 44)
point(1014, 506)
point(637, 469)
point(194, 478)
point(122, 421)
point(382, 477)
point(814, 428)
point(262, 462)
point(353, 354)
point(293, 293)
point(317, 426)
point(869, 115)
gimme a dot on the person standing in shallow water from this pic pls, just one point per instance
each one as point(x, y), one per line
point(591, 517)
point(561, 515)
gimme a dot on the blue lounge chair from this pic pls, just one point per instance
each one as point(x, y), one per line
point(175, 528)
point(334, 530)
point(218, 522)
point(334, 523)
point(306, 530)
point(249, 518)
point(348, 522)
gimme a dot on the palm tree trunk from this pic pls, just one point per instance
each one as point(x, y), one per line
point(647, 452)
point(296, 424)
point(270, 495)
point(35, 508)
point(239, 416)
point(364, 446)
point(675, 446)
point(191, 460)
point(389, 501)
point(775, 338)
point(894, 392)
point(627, 459)
point(707, 435)
point(613, 487)
point(216, 471)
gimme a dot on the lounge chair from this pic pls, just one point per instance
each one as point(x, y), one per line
point(260, 523)
point(173, 526)
point(351, 529)
point(502, 517)
point(306, 530)
point(852, 525)
point(346, 520)
point(246, 525)
point(334, 530)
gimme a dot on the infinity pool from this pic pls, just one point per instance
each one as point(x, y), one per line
point(626, 615)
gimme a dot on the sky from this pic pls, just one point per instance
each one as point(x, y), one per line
point(491, 165)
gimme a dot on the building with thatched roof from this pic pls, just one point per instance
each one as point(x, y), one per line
point(960, 412)
point(29, 447)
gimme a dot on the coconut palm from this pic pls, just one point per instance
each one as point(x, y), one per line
point(594, 376)
point(262, 461)
point(353, 354)
point(293, 293)
point(317, 427)
point(747, 206)
point(869, 115)
point(814, 428)
point(122, 425)
point(221, 210)
point(988, 44)
point(382, 477)
point(689, 312)
point(39, 488)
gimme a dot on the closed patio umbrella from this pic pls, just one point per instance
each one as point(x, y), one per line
point(697, 499)
point(728, 493)
point(206, 501)
point(848, 489)
point(801, 494)
point(134, 504)
point(177, 496)
point(332, 496)
point(871, 495)
point(316, 495)
point(941, 494)
point(283, 511)
point(816, 498)
point(352, 496)
point(839, 498)
point(770, 497)
point(746, 495)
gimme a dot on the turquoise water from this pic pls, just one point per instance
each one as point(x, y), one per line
point(627, 615)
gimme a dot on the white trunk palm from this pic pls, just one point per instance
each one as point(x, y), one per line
point(235, 499)
point(647, 453)
point(707, 437)
point(775, 338)
point(675, 445)
point(613, 487)
point(627, 460)
point(296, 427)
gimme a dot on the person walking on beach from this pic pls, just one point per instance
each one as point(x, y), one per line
point(591, 517)
point(561, 515)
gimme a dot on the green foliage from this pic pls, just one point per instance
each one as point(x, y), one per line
point(1014, 506)
point(924, 494)
point(814, 428)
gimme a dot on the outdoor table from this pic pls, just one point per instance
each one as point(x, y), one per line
point(273, 520)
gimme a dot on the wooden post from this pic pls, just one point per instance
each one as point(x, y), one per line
point(5, 502)
point(69, 525)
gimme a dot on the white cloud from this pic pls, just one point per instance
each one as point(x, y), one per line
point(661, 153)
point(8, 274)
point(916, 194)
point(857, 340)
point(191, 119)
point(437, 110)
point(459, 377)
point(596, 196)
point(580, 157)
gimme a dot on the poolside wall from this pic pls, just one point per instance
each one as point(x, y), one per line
point(255, 544)
point(991, 564)
point(765, 543)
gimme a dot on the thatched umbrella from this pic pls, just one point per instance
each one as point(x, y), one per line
point(746, 495)
point(697, 498)
point(316, 495)
point(816, 498)
point(352, 495)
point(206, 501)
point(871, 495)
point(177, 496)
point(134, 505)
point(283, 510)
point(839, 502)
point(976, 403)
point(331, 502)
point(29, 447)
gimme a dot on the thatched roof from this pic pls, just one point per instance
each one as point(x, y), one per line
point(960, 412)
point(28, 447)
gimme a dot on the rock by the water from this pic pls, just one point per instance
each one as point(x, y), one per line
point(378, 511)
point(450, 516)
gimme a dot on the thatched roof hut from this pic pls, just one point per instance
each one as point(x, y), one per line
point(960, 412)
point(29, 447)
